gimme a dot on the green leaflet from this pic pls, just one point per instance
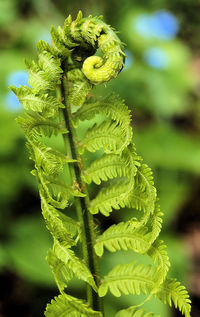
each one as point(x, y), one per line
point(114, 196)
point(71, 225)
point(121, 194)
point(156, 222)
point(43, 103)
point(55, 225)
point(111, 106)
point(133, 312)
point(78, 93)
point(58, 200)
point(159, 256)
point(173, 291)
point(39, 79)
point(76, 265)
point(62, 78)
point(36, 126)
point(58, 47)
point(66, 305)
point(130, 236)
point(50, 160)
point(108, 135)
point(50, 65)
point(131, 279)
point(65, 33)
point(112, 165)
point(144, 180)
point(106, 167)
point(138, 193)
point(62, 273)
point(123, 236)
point(55, 191)
point(80, 87)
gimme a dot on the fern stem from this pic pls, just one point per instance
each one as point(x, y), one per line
point(81, 203)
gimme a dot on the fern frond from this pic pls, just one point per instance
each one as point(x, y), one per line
point(39, 79)
point(129, 279)
point(78, 92)
point(113, 196)
point(66, 33)
point(123, 194)
point(55, 192)
point(172, 291)
point(128, 236)
point(65, 305)
point(133, 312)
point(50, 160)
point(57, 198)
point(144, 181)
point(56, 226)
point(106, 167)
point(58, 47)
point(92, 29)
point(71, 225)
point(60, 81)
point(62, 273)
point(43, 103)
point(110, 166)
point(58, 187)
point(141, 195)
point(111, 106)
point(123, 236)
point(50, 65)
point(156, 222)
point(160, 257)
point(107, 135)
point(43, 46)
point(36, 126)
point(76, 265)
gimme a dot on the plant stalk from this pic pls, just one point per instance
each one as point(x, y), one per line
point(81, 204)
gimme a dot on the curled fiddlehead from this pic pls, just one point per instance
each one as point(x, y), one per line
point(94, 32)
point(56, 104)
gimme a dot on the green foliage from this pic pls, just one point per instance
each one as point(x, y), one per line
point(132, 312)
point(69, 306)
point(62, 79)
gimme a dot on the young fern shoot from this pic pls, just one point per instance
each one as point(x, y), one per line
point(56, 103)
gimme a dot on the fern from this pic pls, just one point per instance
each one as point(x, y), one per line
point(131, 279)
point(65, 305)
point(133, 312)
point(62, 273)
point(172, 291)
point(112, 165)
point(108, 135)
point(57, 101)
point(43, 103)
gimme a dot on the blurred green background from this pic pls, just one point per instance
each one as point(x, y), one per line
point(160, 83)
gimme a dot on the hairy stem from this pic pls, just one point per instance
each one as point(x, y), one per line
point(81, 203)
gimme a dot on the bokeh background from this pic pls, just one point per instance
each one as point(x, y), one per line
point(161, 85)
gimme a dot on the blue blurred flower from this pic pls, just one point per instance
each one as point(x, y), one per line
point(12, 102)
point(164, 25)
point(129, 60)
point(161, 25)
point(45, 36)
point(156, 57)
point(142, 25)
point(15, 78)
